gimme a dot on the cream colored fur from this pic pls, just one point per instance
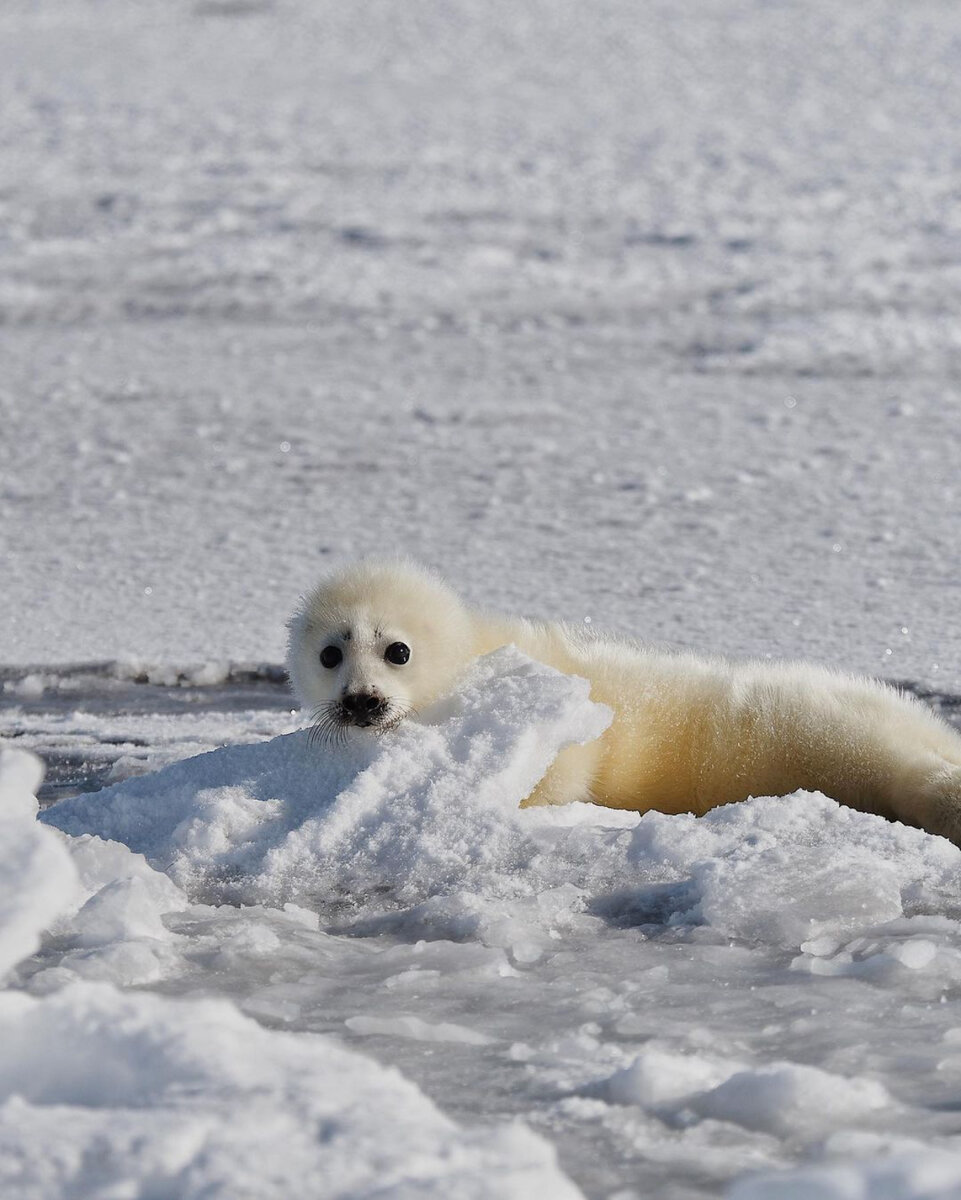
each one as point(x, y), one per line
point(690, 732)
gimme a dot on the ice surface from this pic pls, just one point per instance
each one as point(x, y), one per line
point(906, 1175)
point(642, 319)
point(791, 870)
point(394, 894)
point(424, 823)
point(103, 1093)
point(786, 1099)
point(106, 1094)
point(544, 293)
point(90, 746)
point(414, 1027)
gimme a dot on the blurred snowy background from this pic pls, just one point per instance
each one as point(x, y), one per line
point(641, 312)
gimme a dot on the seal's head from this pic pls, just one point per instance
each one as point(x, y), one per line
point(375, 643)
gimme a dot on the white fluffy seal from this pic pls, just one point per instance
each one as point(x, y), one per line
point(378, 642)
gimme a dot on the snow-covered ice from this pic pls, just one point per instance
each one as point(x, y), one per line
point(647, 317)
point(641, 316)
point(644, 990)
point(104, 1093)
point(425, 825)
point(107, 1093)
point(37, 878)
point(904, 1175)
point(416, 816)
point(787, 1099)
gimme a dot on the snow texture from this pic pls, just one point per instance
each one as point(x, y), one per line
point(786, 1099)
point(917, 1174)
point(647, 317)
point(104, 1093)
point(641, 316)
point(109, 1094)
point(37, 878)
point(418, 835)
point(426, 809)
point(425, 820)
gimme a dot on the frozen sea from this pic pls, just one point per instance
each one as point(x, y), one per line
point(639, 315)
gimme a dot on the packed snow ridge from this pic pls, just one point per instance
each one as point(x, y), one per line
point(418, 832)
point(104, 1091)
point(422, 828)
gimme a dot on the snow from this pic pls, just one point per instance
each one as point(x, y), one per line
point(908, 1175)
point(792, 873)
point(426, 810)
point(786, 1099)
point(650, 321)
point(414, 1027)
point(641, 319)
point(37, 878)
point(107, 1094)
point(422, 831)
point(104, 1092)
point(392, 894)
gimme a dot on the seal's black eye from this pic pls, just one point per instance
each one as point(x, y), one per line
point(397, 653)
point(331, 657)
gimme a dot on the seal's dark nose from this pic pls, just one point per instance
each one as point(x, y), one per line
point(361, 704)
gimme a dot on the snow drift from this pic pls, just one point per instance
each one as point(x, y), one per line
point(422, 829)
point(104, 1093)
point(109, 1094)
point(419, 834)
point(427, 808)
point(37, 878)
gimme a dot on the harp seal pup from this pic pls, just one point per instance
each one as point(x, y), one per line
point(379, 641)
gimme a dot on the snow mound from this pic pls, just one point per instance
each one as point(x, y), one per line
point(107, 1094)
point(413, 813)
point(105, 903)
point(115, 928)
point(420, 832)
point(781, 1098)
point(792, 869)
point(923, 1174)
point(37, 878)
